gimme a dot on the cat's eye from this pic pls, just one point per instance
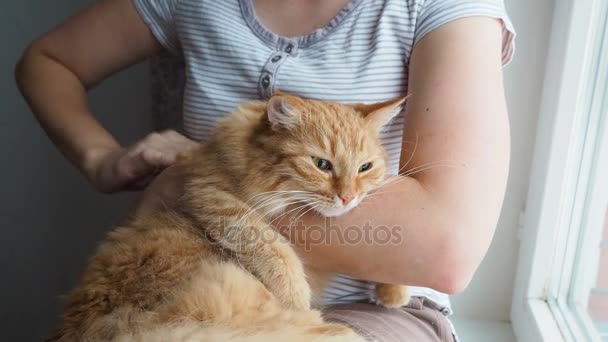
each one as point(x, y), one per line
point(322, 164)
point(365, 167)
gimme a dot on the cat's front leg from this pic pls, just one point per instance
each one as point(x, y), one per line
point(257, 247)
point(281, 271)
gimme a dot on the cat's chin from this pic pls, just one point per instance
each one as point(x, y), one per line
point(333, 211)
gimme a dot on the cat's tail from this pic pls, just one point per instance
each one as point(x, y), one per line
point(193, 331)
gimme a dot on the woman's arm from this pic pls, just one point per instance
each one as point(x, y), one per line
point(448, 215)
point(58, 68)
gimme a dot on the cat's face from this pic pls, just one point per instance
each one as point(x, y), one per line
point(332, 152)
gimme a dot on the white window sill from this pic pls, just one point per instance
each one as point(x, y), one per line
point(476, 330)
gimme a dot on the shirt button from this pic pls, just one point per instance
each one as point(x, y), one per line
point(289, 48)
point(266, 81)
point(276, 59)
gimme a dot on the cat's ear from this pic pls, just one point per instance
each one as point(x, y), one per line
point(379, 114)
point(284, 111)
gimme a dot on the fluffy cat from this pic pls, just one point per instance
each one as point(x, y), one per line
point(213, 268)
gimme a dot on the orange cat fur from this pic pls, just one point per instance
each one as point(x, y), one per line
point(213, 269)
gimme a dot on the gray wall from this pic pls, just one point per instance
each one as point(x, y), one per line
point(50, 218)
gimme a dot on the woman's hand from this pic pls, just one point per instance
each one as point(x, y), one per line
point(133, 168)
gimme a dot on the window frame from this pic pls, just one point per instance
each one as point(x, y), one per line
point(565, 205)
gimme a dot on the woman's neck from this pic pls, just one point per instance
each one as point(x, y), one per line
point(292, 18)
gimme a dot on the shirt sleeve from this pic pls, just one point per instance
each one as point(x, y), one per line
point(159, 15)
point(434, 13)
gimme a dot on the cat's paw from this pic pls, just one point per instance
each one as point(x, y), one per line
point(285, 278)
point(392, 296)
point(294, 294)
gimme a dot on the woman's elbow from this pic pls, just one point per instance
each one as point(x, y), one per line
point(24, 63)
point(19, 71)
point(453, 268)
point(452, 280)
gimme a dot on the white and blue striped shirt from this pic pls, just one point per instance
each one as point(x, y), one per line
point(228, 56)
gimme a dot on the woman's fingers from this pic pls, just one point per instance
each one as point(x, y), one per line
point(158, 159)
point(135, 167)
point(177, 142)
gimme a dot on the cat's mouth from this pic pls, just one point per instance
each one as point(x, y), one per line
point(337, 208)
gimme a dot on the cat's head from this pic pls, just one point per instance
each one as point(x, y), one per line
point(332, 155)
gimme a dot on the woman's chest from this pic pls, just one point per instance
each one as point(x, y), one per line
point(364, 50)
point(362, 56)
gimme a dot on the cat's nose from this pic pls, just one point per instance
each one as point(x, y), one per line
point(347, 199)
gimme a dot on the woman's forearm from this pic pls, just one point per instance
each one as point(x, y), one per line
point(390, 237)
point(400, 235)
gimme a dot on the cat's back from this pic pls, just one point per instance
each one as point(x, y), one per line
point(225, 157)
point(241, 124)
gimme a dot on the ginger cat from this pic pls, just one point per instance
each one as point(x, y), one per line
point(206, 270)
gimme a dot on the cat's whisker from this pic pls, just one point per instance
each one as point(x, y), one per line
point(289, 211)
point(393, 180)
point(269, 212)
point(272, 194)
point(380, 193)
point(304, 213)
point(419, 168)
point(263, 202)
point(274, 191)
point(449, 161)
point(245, 210)
point(268, 201)
point(426, 167)
point(272, 199)
point(416, 170)
point(299, 208)
point(384, 192)
point(411, 156)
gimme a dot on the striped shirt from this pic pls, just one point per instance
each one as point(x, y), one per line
point(228, 56)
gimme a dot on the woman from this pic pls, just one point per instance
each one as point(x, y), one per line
point(447, 53)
